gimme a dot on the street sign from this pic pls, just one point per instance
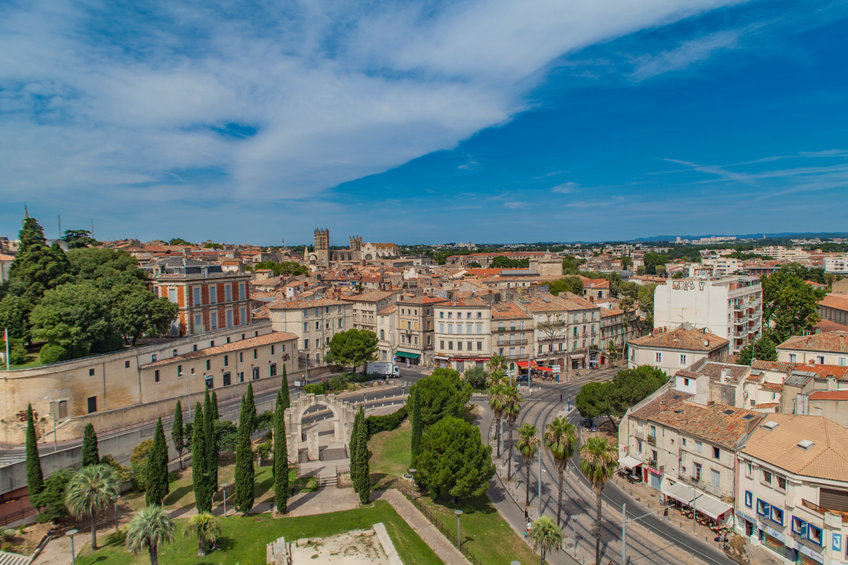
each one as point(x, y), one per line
point(556, 368)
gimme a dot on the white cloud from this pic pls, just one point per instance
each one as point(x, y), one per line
point(99, 99)
point(685, 54)
point(565, 188)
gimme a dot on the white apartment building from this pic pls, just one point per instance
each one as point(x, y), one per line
point(730, 307)
point(792, 489)
point(512, 334)
point(463, 333)
point(829, 348)
point(836, 265)
point(677, 349)
point(314, 322)
point(387, 333)
point(721, 265)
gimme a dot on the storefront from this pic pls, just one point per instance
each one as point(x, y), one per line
point(807, 556)
point(708, 510)
point(407, 358)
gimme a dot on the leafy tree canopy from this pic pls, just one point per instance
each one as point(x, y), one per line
point(284, 268)
point(790, 305)
point(614, 398)
point(763, 349)
point(476, 377)
point(441, 394)
point(501, 262)
point(78, 238)
point(573, 284)
point(353, 347)
point(453, 460)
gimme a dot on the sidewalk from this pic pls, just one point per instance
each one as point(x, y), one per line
point(444, 549)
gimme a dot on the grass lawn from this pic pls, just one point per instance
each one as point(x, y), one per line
point(32, 361)
point(243, 538)
point(485, 534)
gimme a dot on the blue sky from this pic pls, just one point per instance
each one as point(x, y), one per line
point(424, 121)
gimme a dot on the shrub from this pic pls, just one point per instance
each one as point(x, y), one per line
point(476, 377)
point(319, 388)
point(264, 449)
point(125, 474)
point(51, 500)
point(388, 422)
point(18, 354)
point(52, 353)
point(138, 464)
point(227, 434)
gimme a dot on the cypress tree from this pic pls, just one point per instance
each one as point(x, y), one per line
point(199, 476)
point(281, 458)
point(362, 483)
point(35, 479)
point(211, 442)
point(284, 389)
point(416, 426)
point(214, 405)
point(244, 461)
point(157, 468)
point(90, 453)
point(178, 431)
point(353, 447)
point(251, 408)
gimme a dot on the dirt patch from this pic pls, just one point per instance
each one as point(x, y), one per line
point(358, 547)
point(23, 540)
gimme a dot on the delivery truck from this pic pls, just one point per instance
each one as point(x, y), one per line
point(383, 368)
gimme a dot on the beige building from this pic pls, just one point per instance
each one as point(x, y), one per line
point(829, 348)
point(372, 251)
point(415, 314)
point(547, 265)
point(512, 334)
point(684, 446)
point(314, 322)
point(137, 385)
point(462, 333)
point(614, 328)
point(792, 489)
point(366, 305)
point(676, 349)
point(387, 333)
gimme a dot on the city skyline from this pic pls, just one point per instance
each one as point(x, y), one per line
point(411, 124)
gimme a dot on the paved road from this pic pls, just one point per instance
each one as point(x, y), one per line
point(661, 542)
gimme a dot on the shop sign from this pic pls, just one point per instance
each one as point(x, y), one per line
point(836, 542)
point(772, 532)
point(810, 553)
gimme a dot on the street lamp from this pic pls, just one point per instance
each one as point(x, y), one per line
point(458, 529)
point(412, 472)
point(53, 414)
point(116, 511)
point(71, 534)
point(224, 497)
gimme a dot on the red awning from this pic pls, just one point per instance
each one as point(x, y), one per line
point(546, 369)
point(523, 364)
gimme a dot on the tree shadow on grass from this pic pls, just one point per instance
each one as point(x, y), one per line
point(263, 486)
point(177, 494)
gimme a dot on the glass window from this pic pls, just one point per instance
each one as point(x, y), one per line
point(748, 499)
point(763, 508)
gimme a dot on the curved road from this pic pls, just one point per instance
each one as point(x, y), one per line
point(579, 499)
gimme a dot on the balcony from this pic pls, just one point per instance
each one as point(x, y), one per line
point(652, 439)
point(820, 510)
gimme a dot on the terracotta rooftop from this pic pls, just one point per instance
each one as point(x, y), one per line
point(373, 296)
point(681, 338)
point(830, 395)
point(297, 304)
point(831, 342)
point(388, 310)
point(837, 301)
point(713, 370)
point(508, 311)
point(716, 423)
point(249, 343)
point(779, 366)
point(823, 326)
point(468, 302)
point(421, 299)
point(826, 458)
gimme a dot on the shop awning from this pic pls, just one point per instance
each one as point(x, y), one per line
point(523, 365)
point(407, 355)
point(702, 502)
point(629, 462)
point(577, 355)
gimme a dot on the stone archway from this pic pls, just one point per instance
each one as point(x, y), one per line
point(343, 416)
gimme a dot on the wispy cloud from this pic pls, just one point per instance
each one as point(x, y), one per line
point(565, 188)
point(684, 55)
point(716, 170)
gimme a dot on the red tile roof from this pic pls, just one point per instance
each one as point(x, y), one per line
point(837, 301)
point(681, 338)
point(831, 342)
point(249, 343)
point(830, 395)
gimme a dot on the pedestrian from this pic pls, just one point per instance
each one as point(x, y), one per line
point(560, 398)
point(526, 516)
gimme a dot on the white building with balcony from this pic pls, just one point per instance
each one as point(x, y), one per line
point(730, 307)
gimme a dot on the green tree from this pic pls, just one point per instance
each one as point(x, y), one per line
point(90, 491)
point(214, 405)
point(14, 316)
point(353, 347)
point(362, 481)
point(138, 463)
point(157, 468)
point(511, 409)
point(284, 268)
point(135, 311)
point(35, 479)
point(90, 453)
point(497, 392)
point(571, 265)
point(250, 407)
point(573, 284)
point(199, 474)
point(528, 443)
point(149, 529)
point(453, 460)
point(763, 349)
point(560, 440)
point(417, 426)
point(178, 432)
point(244, 462)
point(599, 462)
point(497, 364)
point(545, 536)
point(626, 262)
point(353, 449)
point(281, 458)
point(593, 399)
point(207, 529)
point(654, 260)
point(790, 305)
point(502, 262)
point(284, 389)
point(613, 398)
point(51, 501)
point(476, 377)
point(78, 238)
point(211, 442)
point(443, 393)
point(612, 350)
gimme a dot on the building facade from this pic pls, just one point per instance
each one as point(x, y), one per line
point(314, 322)
point(415, 315)
point(677, 349)
point(512, 334)
point(462, 333)
point(829, 348)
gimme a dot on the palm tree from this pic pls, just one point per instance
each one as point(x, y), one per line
point(511, 409)
point(528, 443)
point(205, 526)
point(149, 529)
point(560, 439)
point(89, 491)
point(599, 462)
point(545, 536)
point(497, 364)
point(496, 403)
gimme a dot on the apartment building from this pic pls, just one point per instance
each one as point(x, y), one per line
point(834, 308)
point(512, 333)
point(829, 348)
point(615, 329)
point(139, 384)
point(365, 306)
point(837, 265)
point(387, 333)
point(792, 489)
point(208, 298)
point(730, 307)
point(415, 314)
point(685, 447)
point(463, 333)
point(676, 349)
point(314, 322)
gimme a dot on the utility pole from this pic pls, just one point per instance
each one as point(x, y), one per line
point(623, 533)
point(539, 451)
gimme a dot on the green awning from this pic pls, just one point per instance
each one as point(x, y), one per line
point(408, 355)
